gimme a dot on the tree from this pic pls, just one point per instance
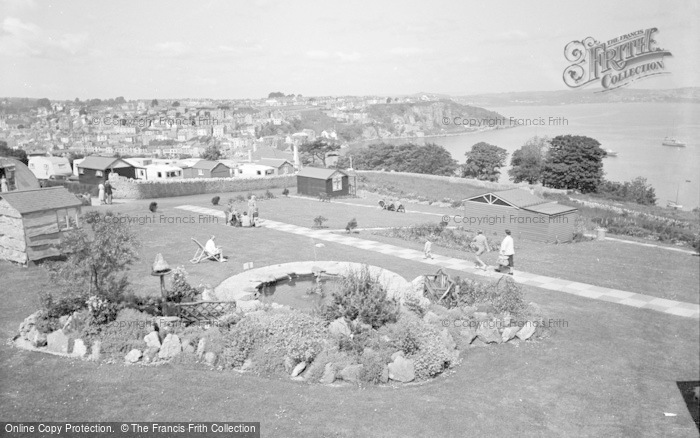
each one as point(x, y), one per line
point(388, 100)
point(154, 102)
point(528, 161)
point(484, 162)
point(213, 153)
point(18, 154)
point(428, 159)
point(120, 100)
point(275, 94)
point(44, 102)
point(317, 149)
point(637, 191)
point(574, 162)
point(176, 104)
point(96, 259)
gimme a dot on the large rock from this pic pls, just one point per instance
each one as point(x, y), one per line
point(201, 347)
point(79, 348)
point(210, 358)
point(301, 366)
point(289, 364)
point(57, 342)
point(396, 354)
point(339, 327)
point(36, 338)
point(402, 370)
point(247, 365)
point(509, 333)
point(447, 340)
point(328, 374)
point(171, 347)
point(151, 355)
point(133, 356)
point(526, 331)
point(29, 323)
point(384, 377)
point(468, 334)
point(152, 340)
point(488, 333)
point(96, 351)
point(351, 373)
point(187, 348)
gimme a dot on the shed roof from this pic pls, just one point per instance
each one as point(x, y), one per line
point(50, 198)
point(206, 164)
point(551, 208)
point(24, 178)
point(273, 162)
point(518, 198)
point(318, 172)
point(100, 163)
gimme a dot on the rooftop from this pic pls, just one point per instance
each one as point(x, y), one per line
point(50, 198)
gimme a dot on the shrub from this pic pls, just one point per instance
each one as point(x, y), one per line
point(285, 192)
point(269, 195)
point(351, 225)
point(431, 360)
point(268, 360)
point(360, 295)
point(319, 220)
point(215, 200)
point(125, 333)
point(373, 365)
point(338, 358)
point(505, 295)
point(181, 290)
point(412, 303)
point(240, 198)
point(249, 195)
point(153, 206)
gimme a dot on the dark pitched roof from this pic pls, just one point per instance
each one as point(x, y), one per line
point(519, 197)
point(318, 172)
point(99, 163)
point(24, 178)
point(206, 164)
point(50, 198)
point(273, 162)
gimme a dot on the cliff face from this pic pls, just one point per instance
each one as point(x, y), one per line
point(430, 117)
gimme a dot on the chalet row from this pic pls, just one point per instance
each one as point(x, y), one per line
point(94, 170)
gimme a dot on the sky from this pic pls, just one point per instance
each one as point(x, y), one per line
point(247, 49)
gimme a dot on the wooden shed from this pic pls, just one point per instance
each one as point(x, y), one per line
point(32, 222)
point(207, 169)
point(525, 214)
point(95, 170)
point(312, 181)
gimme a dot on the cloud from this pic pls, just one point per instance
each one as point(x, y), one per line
point(408, 51)
point(172, 49)
point(335, 56)
point(22, 39)
point(18, 5)
point(511, 35)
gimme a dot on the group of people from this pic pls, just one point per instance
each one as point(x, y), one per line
point(248, 218)
point(480, 245)
point(105, 193)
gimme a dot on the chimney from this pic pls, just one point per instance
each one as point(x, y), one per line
point(250, 156)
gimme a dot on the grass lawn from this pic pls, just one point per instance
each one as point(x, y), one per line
point(608, 370)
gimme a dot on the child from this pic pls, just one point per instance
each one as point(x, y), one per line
point(427, 249)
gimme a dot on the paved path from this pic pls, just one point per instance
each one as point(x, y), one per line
point(671, 307)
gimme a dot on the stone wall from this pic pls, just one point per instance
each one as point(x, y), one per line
point(142, 189)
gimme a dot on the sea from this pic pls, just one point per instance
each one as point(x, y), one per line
point(634, 130)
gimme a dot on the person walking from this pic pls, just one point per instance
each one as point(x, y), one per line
point(508, 250)
point(253, 209)
point(101, 193)
point(427, 250)
point(108, 192)
point(481, 245)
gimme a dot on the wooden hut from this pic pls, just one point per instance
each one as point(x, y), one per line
point(32, 222)
point(207, 169)
point(95, 170)
point(313, 181)
point(525, 214)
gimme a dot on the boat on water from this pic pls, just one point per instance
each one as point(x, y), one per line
point(671, 141)
point(674, 205)
point(610, 153)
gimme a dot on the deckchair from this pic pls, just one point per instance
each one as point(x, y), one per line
point(203, 254)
